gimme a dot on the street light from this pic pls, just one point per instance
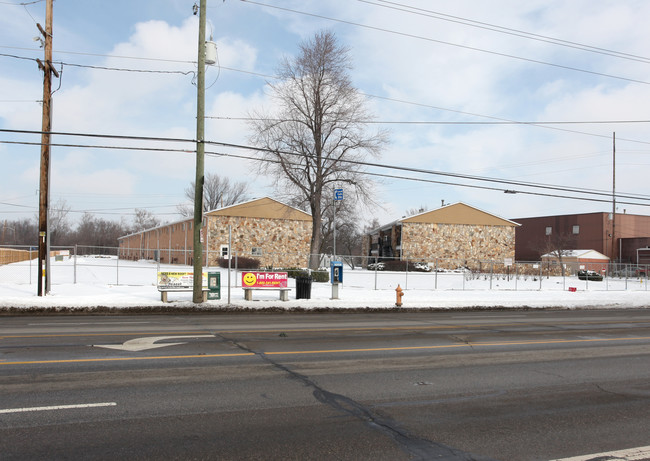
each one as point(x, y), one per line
point(4, 226)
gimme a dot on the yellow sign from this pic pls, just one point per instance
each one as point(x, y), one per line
point(179, 279)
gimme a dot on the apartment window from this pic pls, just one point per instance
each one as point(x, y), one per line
point(549, 230)
point(576, 230)
point(256, 251)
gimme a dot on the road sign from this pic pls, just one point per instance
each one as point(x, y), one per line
point(338, 195)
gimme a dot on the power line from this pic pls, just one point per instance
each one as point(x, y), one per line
point(442, 122)
point(578, 190)
point(497, 120)
point(419, 104)
point(505, 30)
point(119, 69)
point(466, 47)
point(100, 55)
point(22, 3)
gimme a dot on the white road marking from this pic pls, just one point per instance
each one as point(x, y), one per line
point(142, 344)
point(83, 323)
point(631, 454)
point(59, 407)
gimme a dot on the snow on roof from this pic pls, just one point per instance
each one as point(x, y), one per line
point(580, 254)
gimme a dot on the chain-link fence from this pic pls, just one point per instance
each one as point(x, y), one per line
point(109, 266)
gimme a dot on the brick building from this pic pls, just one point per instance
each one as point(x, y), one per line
point(265, 229)
point(457, 232)
point(594, 231)
point(575, 260)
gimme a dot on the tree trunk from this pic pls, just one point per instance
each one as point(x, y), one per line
point(316, 219)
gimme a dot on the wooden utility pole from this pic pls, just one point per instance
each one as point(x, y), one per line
point(197, 249)
point(614, 198)
point(44, 187)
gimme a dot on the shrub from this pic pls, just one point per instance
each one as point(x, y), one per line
point(242, 263)
point(320, 276)
point(294, 272)
point(401, 266)
point(316, 276)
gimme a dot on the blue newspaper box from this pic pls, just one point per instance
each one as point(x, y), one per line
point(336, 272)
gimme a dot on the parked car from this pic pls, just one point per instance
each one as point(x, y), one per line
point(590, 275)
point(423, 267)
point(376, 266)
point(631, 271)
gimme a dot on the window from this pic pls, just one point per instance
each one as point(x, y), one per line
point(256, 251)
point(576, 230)
point(549, 230)
point(225, 254)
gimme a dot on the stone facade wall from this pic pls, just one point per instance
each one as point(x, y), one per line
point(459, 243)
point(283, 243)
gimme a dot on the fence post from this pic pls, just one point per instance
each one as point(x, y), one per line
point(375, 272)
point(435, 276)
point(117, 269)
point(30, 265)
point(406, 283)
point(463, 275)
point(491, 272)
point(75, 264)
point(236, 269)
point(541, 269)
point(516, 275)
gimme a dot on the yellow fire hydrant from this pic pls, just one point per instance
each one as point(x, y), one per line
point(399, 293)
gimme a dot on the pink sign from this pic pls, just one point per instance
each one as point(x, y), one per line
point(264, 279)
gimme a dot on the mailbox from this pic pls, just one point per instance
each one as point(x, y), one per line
point(336, 275)
point(214, 285)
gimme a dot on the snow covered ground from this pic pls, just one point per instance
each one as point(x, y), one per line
point(96, 281)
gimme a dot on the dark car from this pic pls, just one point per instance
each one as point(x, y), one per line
point(590, 275)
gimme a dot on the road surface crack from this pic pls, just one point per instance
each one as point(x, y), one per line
point(418, 448)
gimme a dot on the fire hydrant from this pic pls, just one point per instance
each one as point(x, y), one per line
point(399, 293)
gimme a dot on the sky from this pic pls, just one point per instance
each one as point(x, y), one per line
point(445, 79)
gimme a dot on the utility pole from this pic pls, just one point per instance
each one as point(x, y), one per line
point(614, 197)
point(197, 249)
point(44, 188)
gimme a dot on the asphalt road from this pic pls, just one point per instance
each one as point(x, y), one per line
point(507, 385)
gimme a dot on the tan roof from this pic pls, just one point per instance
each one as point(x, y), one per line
point(264, 207)
point(459, 213)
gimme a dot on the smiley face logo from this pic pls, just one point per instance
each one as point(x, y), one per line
point(249, 279)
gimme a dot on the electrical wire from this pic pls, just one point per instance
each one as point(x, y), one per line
point(558, 188)
point(504, 30)
point(119, 69)
point(497, 120)
point(442, 42)
point(22, 3)
point(440, 122)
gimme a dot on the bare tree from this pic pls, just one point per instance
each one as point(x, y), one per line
point(346, 218)
point(99, 233)
point(217, 192)
point(58, 222)
point(144, 219)
point(318, 138)
point(558, 245)
point(414, 211)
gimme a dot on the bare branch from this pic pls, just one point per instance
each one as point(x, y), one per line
point(321, 120)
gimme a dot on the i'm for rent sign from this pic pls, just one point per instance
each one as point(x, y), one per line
point(264, 279)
